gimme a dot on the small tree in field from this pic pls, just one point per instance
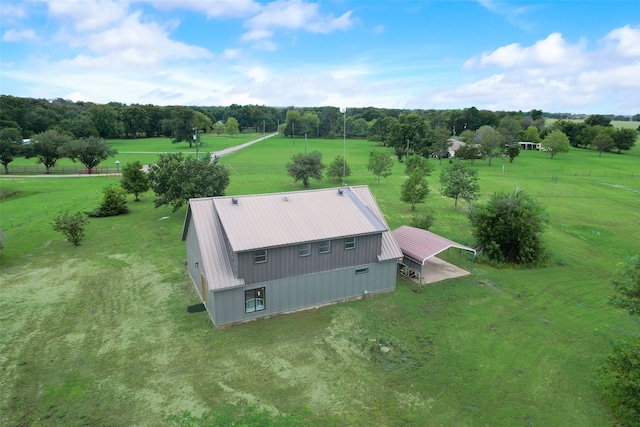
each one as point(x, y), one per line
point(457, 181)
point(305, 166)
point(336, 169)
point(556, 142)
point(415, 189)
point(114, 202)
point(134, 179)
point(380, 164)
point(417, 162)
point(71, 225)
point(508, 228)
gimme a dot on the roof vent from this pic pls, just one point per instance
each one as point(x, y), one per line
point(285, 199)
point(234, 200)
point(340, 191)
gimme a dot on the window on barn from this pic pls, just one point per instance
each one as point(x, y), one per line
point(349, 243)
point(304, 250)
point(259, 256)
point(254, 300)
point(360, 271)
point(324, 247)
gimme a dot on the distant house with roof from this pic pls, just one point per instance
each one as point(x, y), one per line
point(525, 145)
point(259, 255)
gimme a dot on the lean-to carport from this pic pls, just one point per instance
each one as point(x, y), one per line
point(419, 245)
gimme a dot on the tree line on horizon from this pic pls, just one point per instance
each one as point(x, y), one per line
point(118, 120)
point(428, 133)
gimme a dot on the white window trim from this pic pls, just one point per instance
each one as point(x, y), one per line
point(255, 256)
point(320, 251)
point(304, 250)
point(346, 241)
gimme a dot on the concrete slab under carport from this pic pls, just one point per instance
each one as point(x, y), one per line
point(435, 270)
point(420, 249)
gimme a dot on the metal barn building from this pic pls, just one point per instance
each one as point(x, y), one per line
point(259, 255)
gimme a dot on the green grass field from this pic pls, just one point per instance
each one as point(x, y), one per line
point(101, 334)
point(144, 150)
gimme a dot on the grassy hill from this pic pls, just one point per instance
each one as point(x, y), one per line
point(102, 335)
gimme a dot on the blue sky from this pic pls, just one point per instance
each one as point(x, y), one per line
point(558, 56)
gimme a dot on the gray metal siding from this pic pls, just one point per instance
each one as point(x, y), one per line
point(295, 293)
point(285, 262)
point(194, 256)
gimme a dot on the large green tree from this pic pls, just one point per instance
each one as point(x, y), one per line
point(624, 139)
point(303, 167)
point(459, 181)
point(134, 180)
point(556, 142)
point(597, 120)
point(46, 147)
point(106, 121)
point(531, 134)
point(508, 228)
point(470, 151)
point(88, 151)
point(441, 142)
point(231, 127)
point(135, 119)
point(179, 126)
point(10, 146)
point(415, 189)
point(380, 164)
point(603, 142)
point(489, 139)
point(175, 179)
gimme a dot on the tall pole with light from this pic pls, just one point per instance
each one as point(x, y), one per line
point(343, 110)
point(195, 139)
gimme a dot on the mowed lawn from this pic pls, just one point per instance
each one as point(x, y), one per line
point(144, 150)
point(102, 335)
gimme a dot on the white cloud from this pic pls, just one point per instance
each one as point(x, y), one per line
point(626, 41)
point(130, 42)
point(212, 8)
point(88, 15)
point(293, 15)
point(515, 15)
point(552, 51)
point(12, 12)
point(12, 35)
point(231, 53)
point(553, 75)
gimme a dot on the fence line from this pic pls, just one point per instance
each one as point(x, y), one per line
point(39, 170)
point(81, 203)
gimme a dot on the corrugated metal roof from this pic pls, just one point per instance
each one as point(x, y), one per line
point(270, 220)
point(216, 263)
point(390, 248)
point(420, 245)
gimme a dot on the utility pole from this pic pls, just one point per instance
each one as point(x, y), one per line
point(195, 139)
